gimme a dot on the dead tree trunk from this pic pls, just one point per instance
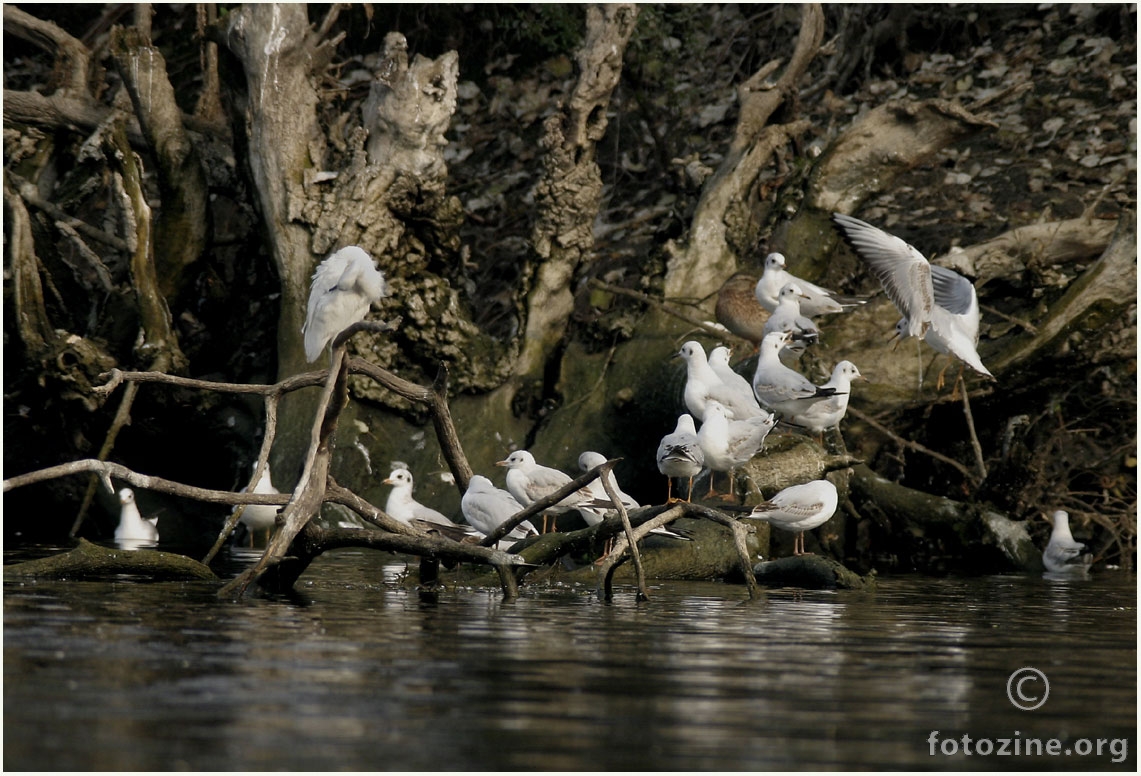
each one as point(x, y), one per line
point(181, 224)
point(570, 191)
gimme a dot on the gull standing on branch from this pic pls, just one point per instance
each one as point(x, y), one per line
point(594, 513)
point(1063, 555)
point(788, 318)
point(134, 531)
point(702, 385)
point(728, 444)
point(821, 415)
point(783, 390)
point(529, 481)
point(938, 304)
point(817, 301)
point(680, 455)
point(344, 286)
point(486, 507)
point(799, 508)
point(402, 506)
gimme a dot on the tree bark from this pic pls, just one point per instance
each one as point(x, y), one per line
point(181, 225)
point(697, 268)
point(570, 191)
point(280, 117)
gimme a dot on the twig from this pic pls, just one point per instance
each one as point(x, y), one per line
point(665, 307)
point(909, 444)
point(537, 506)
point(607, 478)
point(971, 430)
point(108, 469)
point(1024, 324)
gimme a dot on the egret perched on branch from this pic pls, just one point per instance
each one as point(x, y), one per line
point(344, 286)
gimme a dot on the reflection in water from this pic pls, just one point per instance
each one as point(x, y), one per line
point(356, 673)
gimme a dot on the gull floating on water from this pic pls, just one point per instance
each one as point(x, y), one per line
point(134, 531)
point(821, 415)
point(402, 506)
point(937, 304)
point(1063, 555)
point(781, 389)
point(257, 517)
point(486, 507)
point(727, 443)
point(799, 508)
point(818, 301)
point(703, 385)
point(344, 286)
point(680, 455)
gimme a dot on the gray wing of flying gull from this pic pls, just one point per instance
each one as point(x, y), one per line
point(903, 271)
point(953, 292)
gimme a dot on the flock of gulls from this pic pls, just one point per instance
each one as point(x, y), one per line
point(937, 305)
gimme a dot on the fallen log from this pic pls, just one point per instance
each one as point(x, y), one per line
point(93, 561)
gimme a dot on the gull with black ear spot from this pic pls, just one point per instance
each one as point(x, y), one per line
point(703, 385)
point(728, 444)
point(680, 455)
point(938, 304)
point(817, 301)
point(344, 286)
point(783, 390)
point(528, 481)
point(821, 415)
point(788, 318)
point(799, 508)
point(403, 506)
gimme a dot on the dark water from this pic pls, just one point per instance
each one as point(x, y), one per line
point(356, 673)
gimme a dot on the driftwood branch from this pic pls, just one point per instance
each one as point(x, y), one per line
point(963, 528)
point(666, 515)
point(92, 561)
point(606, 476)
point(73, 59)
